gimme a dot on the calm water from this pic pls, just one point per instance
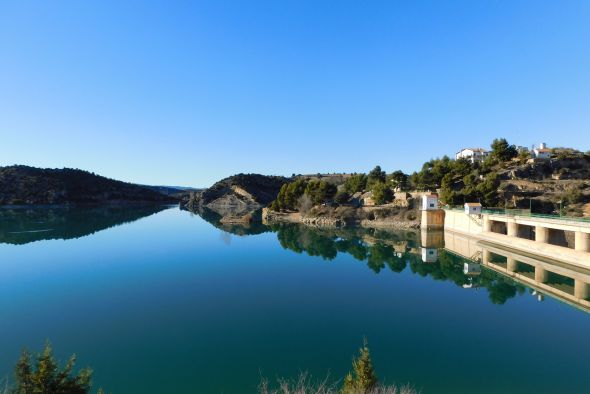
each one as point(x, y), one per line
point(159, 300)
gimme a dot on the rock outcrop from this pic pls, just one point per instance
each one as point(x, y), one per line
point(237, 198)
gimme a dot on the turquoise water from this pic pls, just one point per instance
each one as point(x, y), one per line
point(160, 300)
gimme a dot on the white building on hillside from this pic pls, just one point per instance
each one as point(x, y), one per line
point(541, 152)
point(472, 154)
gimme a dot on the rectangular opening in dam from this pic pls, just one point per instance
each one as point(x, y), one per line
point(525, 269)
point(562, 238)
point(498, 260)
point(526, 232)
point(498, 227)
point(561, 283)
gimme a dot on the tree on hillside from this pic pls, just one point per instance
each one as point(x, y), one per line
point(399, 180)
point(432, 173)
point(320, 191)
point(488, 190)
point(461, 167)
point(377, 175)
point(503, 151)
point(289, 195)
point(382, 194)
point(356, 183)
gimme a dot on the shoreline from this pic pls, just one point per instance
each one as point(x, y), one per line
point(269, 217)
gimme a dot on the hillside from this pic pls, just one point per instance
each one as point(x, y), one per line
point(237, 195)
point(561, 182)
point(30, 185)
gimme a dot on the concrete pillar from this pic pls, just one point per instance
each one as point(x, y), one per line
point(541, 275)
point(485, 256)
point(582, 241)
point(542, 234)
point(487, 223)
point(511, 265)
point(433, 219)
point(512, 229)
point(581, 289)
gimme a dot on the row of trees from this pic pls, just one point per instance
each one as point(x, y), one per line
point(460, 181)
point(302, 194)
point(378, 182)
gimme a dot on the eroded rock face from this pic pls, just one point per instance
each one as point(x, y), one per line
point(238, 198)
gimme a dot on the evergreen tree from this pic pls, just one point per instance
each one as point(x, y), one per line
point(320, 191)
point(399, 180)
point(381, 193)
point(377, 175)
point(503, 151)
point(362, 379)
point(356, 183)
point(47, 378)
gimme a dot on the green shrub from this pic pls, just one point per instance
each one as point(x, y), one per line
point(382, 194)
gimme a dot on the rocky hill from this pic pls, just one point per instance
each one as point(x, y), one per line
point(236, 197)
point(546, 185)
point(23, 185)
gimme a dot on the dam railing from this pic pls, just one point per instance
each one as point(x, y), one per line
point(524, 213)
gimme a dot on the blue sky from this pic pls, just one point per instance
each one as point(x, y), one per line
point(185, 93)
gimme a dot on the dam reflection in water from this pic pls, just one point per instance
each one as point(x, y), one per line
point(566, 282)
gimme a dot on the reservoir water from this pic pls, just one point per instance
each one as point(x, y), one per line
point(158, 300)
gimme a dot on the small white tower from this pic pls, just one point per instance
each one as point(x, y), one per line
point(429, 202)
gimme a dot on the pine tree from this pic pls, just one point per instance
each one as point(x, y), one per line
point(364, 379)
point(46, 377)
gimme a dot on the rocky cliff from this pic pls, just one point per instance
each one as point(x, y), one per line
point(236, 198)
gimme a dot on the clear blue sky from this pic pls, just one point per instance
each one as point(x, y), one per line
point(185, 93)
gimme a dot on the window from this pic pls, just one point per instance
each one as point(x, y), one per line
point(431, 205)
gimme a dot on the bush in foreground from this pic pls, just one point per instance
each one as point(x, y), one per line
point(44, 375)
point(361, 380)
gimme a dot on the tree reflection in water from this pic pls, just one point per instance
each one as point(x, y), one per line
point(395, 250)
point(379, 248)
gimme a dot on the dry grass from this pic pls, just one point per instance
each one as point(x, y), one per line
point(305, 384)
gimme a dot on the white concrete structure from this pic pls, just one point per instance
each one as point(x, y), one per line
point(511, 231)
point(473, 208)
point(541, 152)
point(429, 202)
point(472, 154)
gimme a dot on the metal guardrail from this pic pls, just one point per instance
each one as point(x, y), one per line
point(523, 213)
point(527, 213)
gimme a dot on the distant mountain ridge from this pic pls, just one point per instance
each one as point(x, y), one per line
point(24, 185)
point(176, 191)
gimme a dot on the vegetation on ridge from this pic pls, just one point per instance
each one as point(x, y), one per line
point(21, 185)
